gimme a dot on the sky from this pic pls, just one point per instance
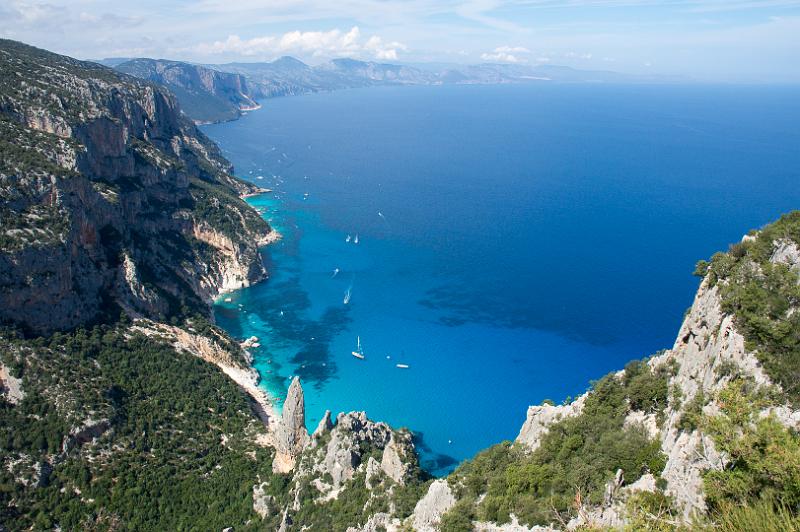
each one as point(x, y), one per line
point(708, 40)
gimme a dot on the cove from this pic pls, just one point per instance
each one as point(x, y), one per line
point(514, 242)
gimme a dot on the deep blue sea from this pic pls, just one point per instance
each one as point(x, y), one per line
point(514, 241)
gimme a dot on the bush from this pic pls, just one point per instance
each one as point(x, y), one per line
point(578, 453)
point(764, 455)
point(761, 295)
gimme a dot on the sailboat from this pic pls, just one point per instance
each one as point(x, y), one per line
point(402, 366)
point(347, 296)
point(347, 239)
point(359, 353)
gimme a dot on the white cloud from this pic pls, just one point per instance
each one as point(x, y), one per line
point(333, 43)
point(506, 54)
point(502, 58)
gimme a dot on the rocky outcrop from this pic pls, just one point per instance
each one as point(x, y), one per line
point(263, 503)
point(292, 435)
point(111, 199)
point(708, 352)
point(707, 342)
point(540, 417)
point(343, 453)
point(88, 432)
point(10, 386)
point(206, 95)
point(430, 509)
point(323, 427)
point(392, 459)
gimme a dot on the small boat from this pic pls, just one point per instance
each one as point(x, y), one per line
point(347, 239)
point(228, 300)
point(347, 297)
point(335, 271)
point(402, 366)
point(359, 352)
point(355, 240)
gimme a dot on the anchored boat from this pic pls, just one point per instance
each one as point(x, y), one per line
point(359, 352)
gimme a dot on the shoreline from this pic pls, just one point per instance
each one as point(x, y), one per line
point(258, 192)
point(242, 373)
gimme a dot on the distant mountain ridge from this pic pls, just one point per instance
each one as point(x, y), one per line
point(215, 93)
point(206, 95)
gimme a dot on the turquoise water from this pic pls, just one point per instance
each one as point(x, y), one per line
point(530, 239)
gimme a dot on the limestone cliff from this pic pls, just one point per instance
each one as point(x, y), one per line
point(110, 199)
point(206, 95)
point(709, 352)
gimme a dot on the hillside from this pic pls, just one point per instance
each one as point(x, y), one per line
point(122, 407)
point(216, 93)
point(111, 199)
point(206, 95)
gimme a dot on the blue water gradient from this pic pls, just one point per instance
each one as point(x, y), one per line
point(530, 238)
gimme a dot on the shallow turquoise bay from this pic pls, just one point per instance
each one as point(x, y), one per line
point(530, 239)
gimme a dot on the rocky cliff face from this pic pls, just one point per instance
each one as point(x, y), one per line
point(709, 353)
point(206, 95)
point(111, 199)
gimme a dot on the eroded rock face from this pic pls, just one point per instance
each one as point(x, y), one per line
point(290, 435)
point(125, 205)
point(293, 420)
point(708, 345)
point(707, 341)
point(207, 95)
point(342, 454)
point(263, 503)
point(10, 386)
point(786, 252)
point(392, 460)
point(430, 509)
point(540, 418)
point(324, 426)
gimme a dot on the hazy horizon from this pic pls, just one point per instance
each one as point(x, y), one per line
point(707, 40)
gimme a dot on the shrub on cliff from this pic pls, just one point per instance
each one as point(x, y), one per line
point(578, 454)
point(764, 456)
point(761, 295)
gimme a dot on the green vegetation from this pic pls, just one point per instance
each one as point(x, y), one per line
point(760, 294)
point(577, 457)
point(224, 211)
point(652, 512)
point(764, 455)
point(160, 463)
point(758, 517)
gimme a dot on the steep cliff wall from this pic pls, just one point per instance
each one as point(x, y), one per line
point(741, 328)
point(110, 199)
point(206, 95)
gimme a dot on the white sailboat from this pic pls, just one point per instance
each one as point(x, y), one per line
point(358, 353)
point(347, 296)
